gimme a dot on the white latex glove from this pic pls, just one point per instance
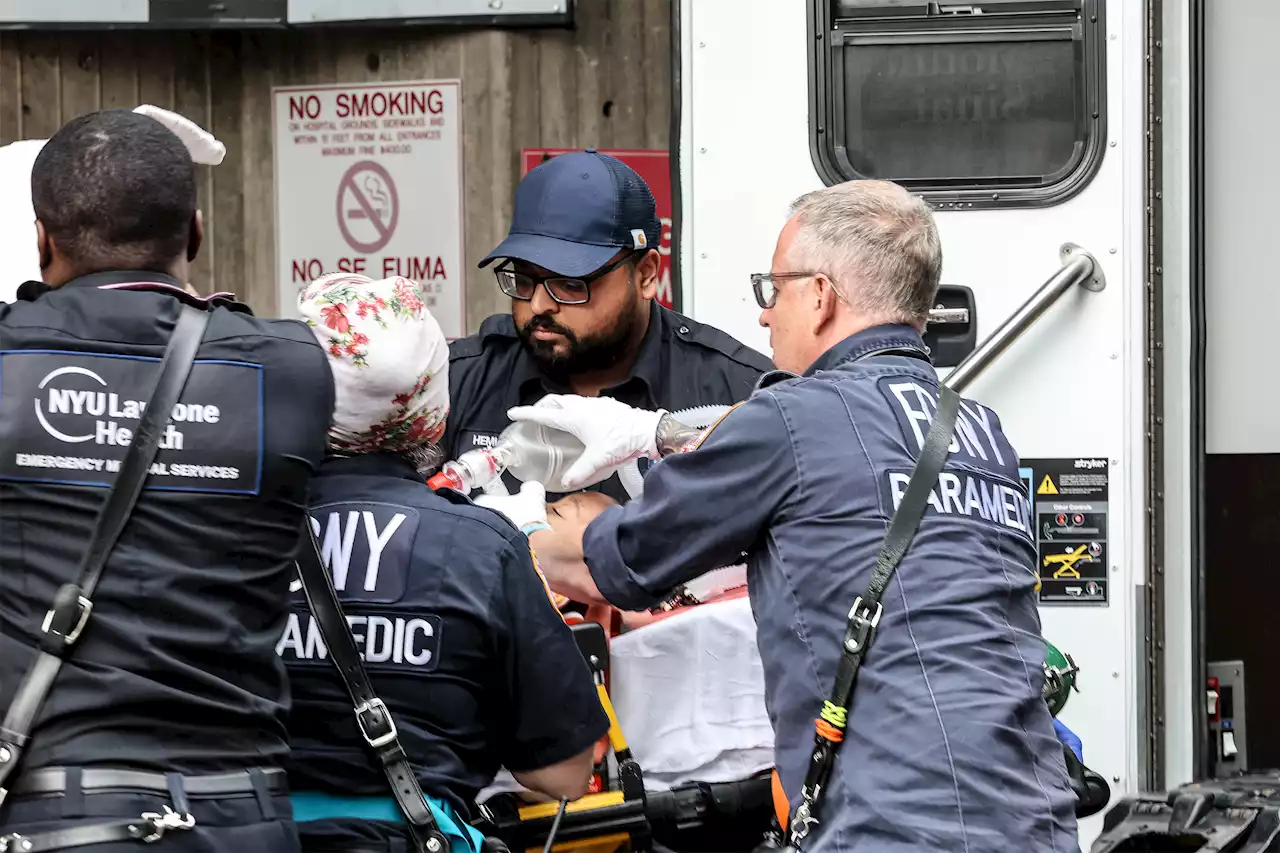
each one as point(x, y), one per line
point(527, 509)
point(611, 431)
point(204, 148)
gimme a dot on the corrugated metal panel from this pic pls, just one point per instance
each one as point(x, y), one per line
point(604, 84)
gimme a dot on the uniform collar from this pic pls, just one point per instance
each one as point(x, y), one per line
point(157, 282)
point(647, 370)
point(889, 336)
point(371, 465)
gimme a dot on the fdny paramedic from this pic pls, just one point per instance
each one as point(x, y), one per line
point(455, 623)
point(581, 266)
point(172, 702)
point(949, 744)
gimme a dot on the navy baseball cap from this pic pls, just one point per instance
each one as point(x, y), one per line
point(574, 212)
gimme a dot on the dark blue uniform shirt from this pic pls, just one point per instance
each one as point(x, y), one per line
point(950, 745)
point(458, 633)
point(177, 669)
point(681, 364)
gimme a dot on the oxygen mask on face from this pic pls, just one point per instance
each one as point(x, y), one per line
point(543, 454)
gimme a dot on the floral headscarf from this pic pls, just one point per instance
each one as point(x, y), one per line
point(390, 363)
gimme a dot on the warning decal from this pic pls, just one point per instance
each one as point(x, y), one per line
point(1070, 508)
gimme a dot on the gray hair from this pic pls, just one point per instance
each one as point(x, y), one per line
point(877, 242)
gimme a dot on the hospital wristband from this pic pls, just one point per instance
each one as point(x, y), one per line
point(533, 527)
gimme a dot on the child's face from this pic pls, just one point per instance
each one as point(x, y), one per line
point(577, 510)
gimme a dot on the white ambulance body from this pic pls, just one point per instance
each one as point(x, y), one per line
point(1039, 130)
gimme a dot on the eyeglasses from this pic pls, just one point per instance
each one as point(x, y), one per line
point(765, 289)
point(566, 291)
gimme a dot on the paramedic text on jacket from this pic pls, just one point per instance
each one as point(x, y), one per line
point(458, 633)
point(949, 745)
point(174, 695)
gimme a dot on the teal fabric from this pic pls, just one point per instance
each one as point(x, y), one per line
point(314, 805)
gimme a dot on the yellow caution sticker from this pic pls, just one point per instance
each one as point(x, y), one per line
point(1066, 562)
point(1047, 487)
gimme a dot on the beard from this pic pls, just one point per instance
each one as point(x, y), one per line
point(581, 353)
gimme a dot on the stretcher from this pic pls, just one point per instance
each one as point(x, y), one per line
point(699, 775)
point(710, 799)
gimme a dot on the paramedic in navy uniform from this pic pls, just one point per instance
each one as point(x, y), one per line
point(457, 627)
point(581, 267)
point(950, 745)
point(174, 696)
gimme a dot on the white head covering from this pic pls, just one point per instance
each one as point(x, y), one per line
point(19, 258)
point(390, 363)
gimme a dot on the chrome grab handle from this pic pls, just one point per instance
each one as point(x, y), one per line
point(1078, 267)
point(948, 315)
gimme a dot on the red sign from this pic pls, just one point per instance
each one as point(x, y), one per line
point(654, 166)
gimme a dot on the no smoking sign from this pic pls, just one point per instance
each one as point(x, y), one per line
point(368, 207)
point(368, 180)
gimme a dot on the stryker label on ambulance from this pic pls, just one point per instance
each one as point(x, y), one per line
point(69, 418)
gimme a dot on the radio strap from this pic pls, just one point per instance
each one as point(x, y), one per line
point(864, 616)
point(375, 722)
point(73, 603)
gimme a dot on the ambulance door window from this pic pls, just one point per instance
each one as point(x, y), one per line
point(995, 103)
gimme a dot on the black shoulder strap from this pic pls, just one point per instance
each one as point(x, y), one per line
point(864, 616)
point(73, 603)
point(372, 716)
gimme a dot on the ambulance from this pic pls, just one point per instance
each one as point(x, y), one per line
point(1100, 171)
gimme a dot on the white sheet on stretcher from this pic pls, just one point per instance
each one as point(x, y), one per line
point(689, 694)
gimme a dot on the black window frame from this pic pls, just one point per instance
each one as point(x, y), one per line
point(1032, 20)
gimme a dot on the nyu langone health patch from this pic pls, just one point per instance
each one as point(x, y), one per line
point(69, 418)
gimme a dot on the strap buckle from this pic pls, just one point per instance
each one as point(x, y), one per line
point(800, 824)
point(863, 621)
point(380, 722)
point(13, 843)
point(162, 823)
point(68, 616)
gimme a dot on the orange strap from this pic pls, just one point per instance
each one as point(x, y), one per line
point(828, 731)
point(781, 806)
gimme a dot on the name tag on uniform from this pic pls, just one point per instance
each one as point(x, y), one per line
point(68, 418)
point(469, 439)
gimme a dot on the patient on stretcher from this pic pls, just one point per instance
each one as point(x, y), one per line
point(702, 666)
point(698, 659)
point(573, 513)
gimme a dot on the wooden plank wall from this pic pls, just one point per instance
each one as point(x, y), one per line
point(606, 84)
